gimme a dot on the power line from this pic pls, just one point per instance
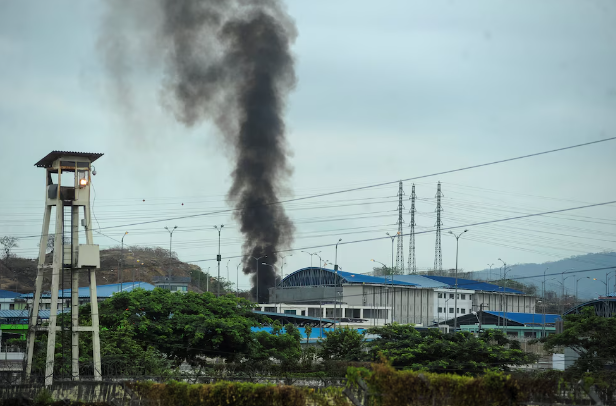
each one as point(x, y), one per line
point(360, 187)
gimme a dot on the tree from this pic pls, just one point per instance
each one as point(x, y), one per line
point(432, 350)
point(308, 330)
point(385, 271)
point(185, 327)
point(8, 244)
point(343, 343)
point(592, 337)
point(282, 347)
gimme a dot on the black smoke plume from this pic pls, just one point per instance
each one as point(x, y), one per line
point(228, 61)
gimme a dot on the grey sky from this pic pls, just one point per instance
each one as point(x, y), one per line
point(386, 90)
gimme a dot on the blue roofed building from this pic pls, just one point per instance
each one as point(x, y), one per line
point(514, 324)
point(362, 300)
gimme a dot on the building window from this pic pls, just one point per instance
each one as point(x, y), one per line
point(440, 310)
point(451, 295)
point(457, 310)
point(463, 297)
point(270, 309)
point(451, 310)
point(440, 295)
point(463, 311)
point(290, 312)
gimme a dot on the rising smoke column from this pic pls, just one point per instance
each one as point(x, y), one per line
point(228, 61)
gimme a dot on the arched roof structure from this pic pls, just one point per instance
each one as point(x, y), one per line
point(315, 276)
point(604, 307)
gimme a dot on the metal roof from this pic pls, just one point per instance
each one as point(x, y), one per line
point(25, 313)
point(420, 280)
point(604, 307)
point(48, 160)
point(101, 290)
point(359, 278)
point(472, 285)
point(314, 276)
point(526, 318)
point(7, 294)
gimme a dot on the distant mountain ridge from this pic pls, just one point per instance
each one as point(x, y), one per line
point(532, 274)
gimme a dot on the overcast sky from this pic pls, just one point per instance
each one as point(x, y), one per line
point(386, 91)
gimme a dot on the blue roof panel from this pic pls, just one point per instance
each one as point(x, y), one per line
point(360, 278)
point(7, 294)
point(472, 285)
point(420, 280)
point(527, 318)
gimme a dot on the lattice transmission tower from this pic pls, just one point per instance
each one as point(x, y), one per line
point(400, 254)
point(438, 257)
point(412, 266)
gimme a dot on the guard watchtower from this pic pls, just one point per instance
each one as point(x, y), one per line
point(67, 188)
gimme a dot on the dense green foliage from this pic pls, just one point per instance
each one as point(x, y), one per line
point(228, 393)
point(435, 351)
point(152, 332)
point(383, 385)
point(343, 343)
point(592, 337)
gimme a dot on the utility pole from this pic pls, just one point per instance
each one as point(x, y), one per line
point(228, 280)
point(237, 282)
point(543, 329)
point(393, 297)
point(438, 257)
point(455, 301)
point(170, 254)
point(400, 252)
point(490, 274)
point(412, 267)
point(121, 262)
point(336, 258)
point(218, 258)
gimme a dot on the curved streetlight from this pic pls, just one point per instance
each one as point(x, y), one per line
point(218, 258)
point(237, 282)
point(170, 251)
point(386, 296)
point(228, 280)
point(282, 264)
point(455, 302)
point(336, 257)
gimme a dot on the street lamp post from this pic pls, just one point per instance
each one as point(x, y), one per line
point(490, 272)
point(170, 253)
point(121, 268)
point(576, 286)
point(562, 296)
point(543, 295)
point(393, 291)
point(504, 308)
point(320, 267)
point(228, 280)
point(455, 301)
point(545, 301)
point(237, 282)
point(218, 258)
point(282, 264)
point(336, 257)
point(386, 296)
point(258, 259)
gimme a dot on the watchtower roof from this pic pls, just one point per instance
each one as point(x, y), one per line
point(54, 155)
